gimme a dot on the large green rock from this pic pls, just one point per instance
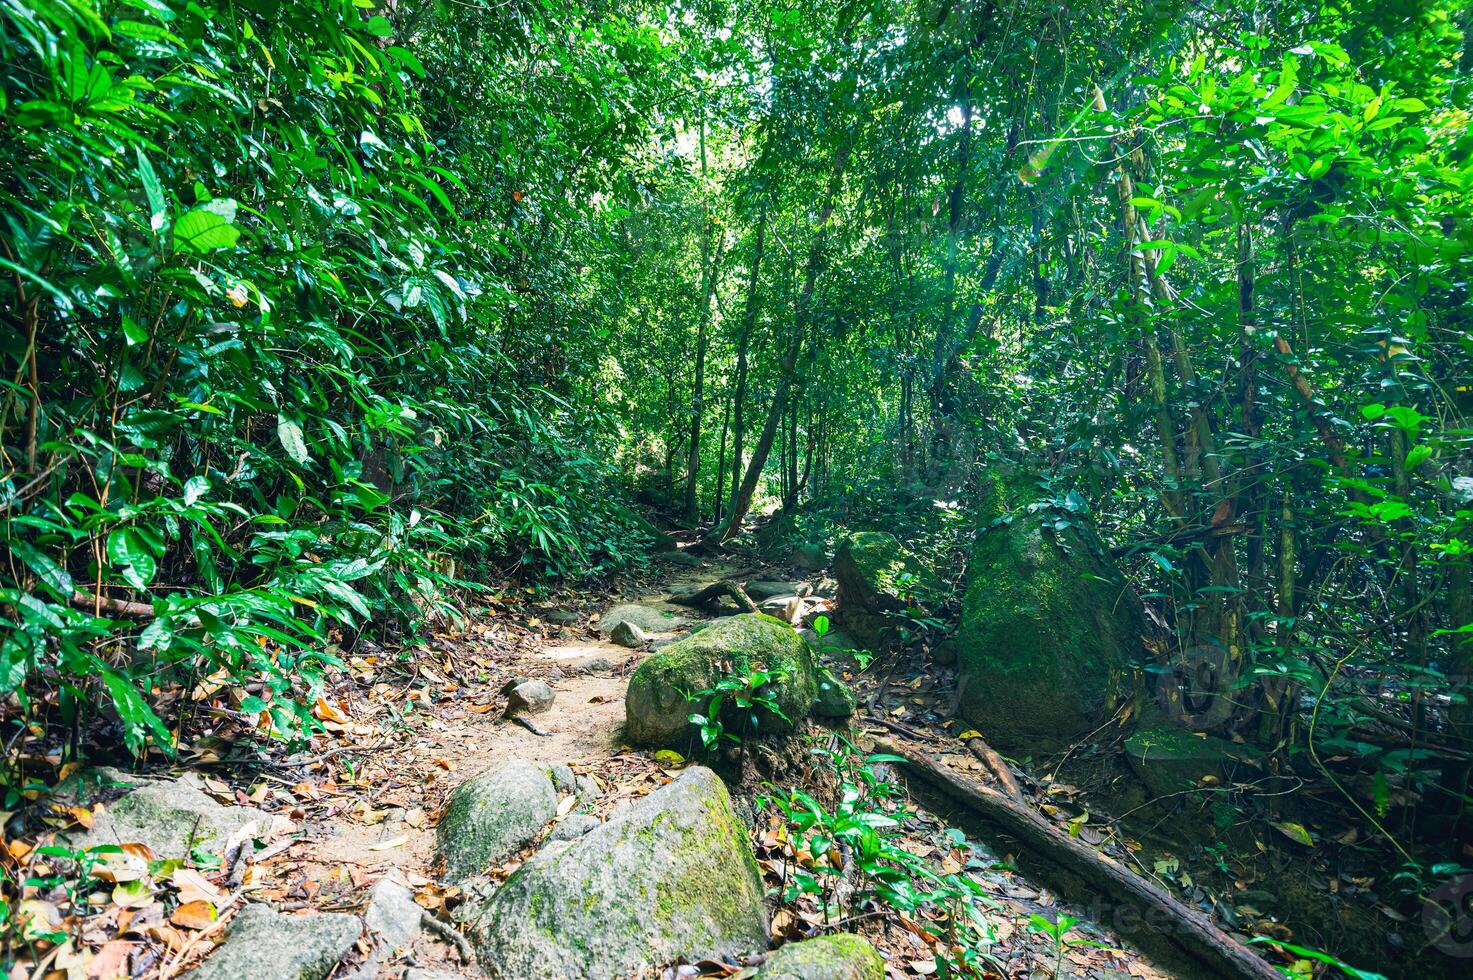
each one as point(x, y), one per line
point(842, 956)
point(493, 816)
point(1168, 759)
point(656, 708)
point(671, 877)
point(878, 579)
point(1048, 627)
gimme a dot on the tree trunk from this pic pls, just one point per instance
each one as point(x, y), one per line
point(738, 426)
point(742, 502)
point(709, 260)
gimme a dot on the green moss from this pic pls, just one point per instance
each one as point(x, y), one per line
point(657, 707)
point(838, 957)
point(1169, 759)
point(1047, 628)
point(835, 699)
point(878, 578)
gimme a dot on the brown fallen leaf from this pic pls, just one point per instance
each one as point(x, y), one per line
point(195, 887)
point(194, 915)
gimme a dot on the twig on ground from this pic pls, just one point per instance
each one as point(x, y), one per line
point(450, 934)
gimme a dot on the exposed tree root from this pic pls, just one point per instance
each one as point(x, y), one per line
point(715, 591)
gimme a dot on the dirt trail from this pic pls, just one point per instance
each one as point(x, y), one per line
point(384, 824)
point(589, 675)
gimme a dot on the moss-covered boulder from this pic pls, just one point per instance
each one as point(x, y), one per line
point(878, 578)
point(842, 956)
point(1048, 626)
point(835, 700)
point(671, 877)
point(494, 815)
point(264, 944)
point(1169, 759)
point(656, 708)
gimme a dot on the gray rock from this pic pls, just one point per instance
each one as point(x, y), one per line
point(563, 617)
point(835, 699)
point(594, 664)
point(842, 956)
point(172, 816)
point(528, 697)
point(683, 558)
point(673, 876)
point(588, 788)
point(392, 913)
point(264, 944)
point(627, 634)
point(492, 816)
point(573, 826)
point(562, 778)
point(809, 558)
point(417, 974)
point(760, 589)
point(647, 618)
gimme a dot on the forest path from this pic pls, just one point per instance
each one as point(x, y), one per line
point(391, 831)
point(423, 734)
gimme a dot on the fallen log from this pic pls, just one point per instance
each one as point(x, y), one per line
point(714, 591)
point(997, 766)
point(1157, 916)
point(122, 608)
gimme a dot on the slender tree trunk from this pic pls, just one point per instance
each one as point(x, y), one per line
point(742, 503)
point(749, 322)
point(709, 260)
point(718, 498)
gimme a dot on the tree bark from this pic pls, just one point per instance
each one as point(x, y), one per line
point(1159, 918)
point(744, 340)
point(742, 502)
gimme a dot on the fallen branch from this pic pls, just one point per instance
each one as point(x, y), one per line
point(715, 591)
point(118, 607)
point(996, 765)
point(1156, 916)
point(449, 933)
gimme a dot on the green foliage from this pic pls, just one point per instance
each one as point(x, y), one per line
point(733, 708)
point(259, 392)
point(859, 834)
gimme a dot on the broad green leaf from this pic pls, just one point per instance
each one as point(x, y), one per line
point(127, 550)
point(153, 191)
point(206, 228)
point(289, 431)
point(53, 575)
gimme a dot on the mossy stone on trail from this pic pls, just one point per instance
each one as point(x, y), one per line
point(671, 877)
point(1047, 630)
point(171, 816)
point(835, 699)
point(647, 618)
point(492, 816)
point(877, 577)
point(843, 956)
point(1169, 759)
point(264, 944)
point(656, 709)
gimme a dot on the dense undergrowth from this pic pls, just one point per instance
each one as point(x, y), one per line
point(263, 389)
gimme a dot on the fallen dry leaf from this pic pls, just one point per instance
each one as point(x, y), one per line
point(390, 843)
point(194, 915)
